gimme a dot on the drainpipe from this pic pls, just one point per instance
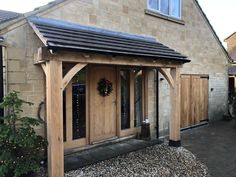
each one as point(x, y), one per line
point(157, 104)
point(1, 80)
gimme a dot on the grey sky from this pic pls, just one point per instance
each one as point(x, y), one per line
point(221, 15)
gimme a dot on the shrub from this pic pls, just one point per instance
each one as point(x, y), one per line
point(20, 146)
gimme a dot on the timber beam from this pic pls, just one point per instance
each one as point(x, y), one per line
point(168, 76)
point(44, 55)
point(67, 78)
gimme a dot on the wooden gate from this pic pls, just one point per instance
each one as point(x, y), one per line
point(194, 100)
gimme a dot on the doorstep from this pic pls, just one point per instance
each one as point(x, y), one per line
point(94, 155)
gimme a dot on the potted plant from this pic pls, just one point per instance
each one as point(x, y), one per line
point(20, 146)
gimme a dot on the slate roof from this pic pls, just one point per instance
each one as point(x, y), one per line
point(8, 15)
point(57, 34)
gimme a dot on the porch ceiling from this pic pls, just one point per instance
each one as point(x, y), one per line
point(56, 34)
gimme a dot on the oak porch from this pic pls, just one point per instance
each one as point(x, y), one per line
point(55, 84)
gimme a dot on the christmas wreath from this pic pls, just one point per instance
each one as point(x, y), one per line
point(104, 87)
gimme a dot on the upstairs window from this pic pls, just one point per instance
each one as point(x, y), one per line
point(166, 7)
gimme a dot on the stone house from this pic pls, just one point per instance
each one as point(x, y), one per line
point(231, 48)
point(104, 67)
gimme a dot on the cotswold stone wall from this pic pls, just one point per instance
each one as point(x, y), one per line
point(231, 46)
point(22, 74)
point(193, 38)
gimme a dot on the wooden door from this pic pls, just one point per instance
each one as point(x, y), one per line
point(186, 118)
point(102, 108)
point(194, 100)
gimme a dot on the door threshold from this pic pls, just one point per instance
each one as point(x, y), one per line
point(195, 126)
point(105, 140)
point(98, 144)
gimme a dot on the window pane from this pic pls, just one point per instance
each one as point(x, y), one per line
point(138, 98)
point(78, 105)
point(175, 8)
point(165, 7)
point(125, 98)
point(154, 4)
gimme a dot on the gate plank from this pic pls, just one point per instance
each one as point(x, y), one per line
point(194, 100)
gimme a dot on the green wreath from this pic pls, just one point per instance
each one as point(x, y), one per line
point(104, 87)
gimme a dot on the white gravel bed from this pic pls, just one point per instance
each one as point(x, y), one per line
point(160, 160)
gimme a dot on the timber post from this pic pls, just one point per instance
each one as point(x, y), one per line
point(174, 139)
point(54, 118)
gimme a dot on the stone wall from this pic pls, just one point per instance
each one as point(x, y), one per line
point(22, 74)
point(231, 46)
point(193, 38)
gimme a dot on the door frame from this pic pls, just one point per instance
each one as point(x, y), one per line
point(73, 144)
point(132, 130)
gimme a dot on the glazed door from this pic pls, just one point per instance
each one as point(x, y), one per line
point(102, 108)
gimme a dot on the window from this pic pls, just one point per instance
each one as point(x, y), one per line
point(125, 98)
point(78, 105)
point(74, 105)
point(166, 7)
point(138, 94)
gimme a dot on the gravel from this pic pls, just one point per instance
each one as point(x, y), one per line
point(160, 160)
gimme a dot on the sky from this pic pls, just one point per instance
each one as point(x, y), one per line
point(21, 6)
point(221, 15)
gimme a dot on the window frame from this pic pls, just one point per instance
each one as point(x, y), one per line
point(169, 9)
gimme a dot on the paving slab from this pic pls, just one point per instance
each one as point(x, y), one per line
point(108, 151)
point(214, 145)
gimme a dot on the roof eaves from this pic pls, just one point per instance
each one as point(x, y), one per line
point(229, 36)
point(17, 15)
point(211, 27)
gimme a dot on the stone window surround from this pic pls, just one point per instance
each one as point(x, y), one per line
point(165, 17)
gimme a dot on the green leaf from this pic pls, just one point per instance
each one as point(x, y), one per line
point(20, 146)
